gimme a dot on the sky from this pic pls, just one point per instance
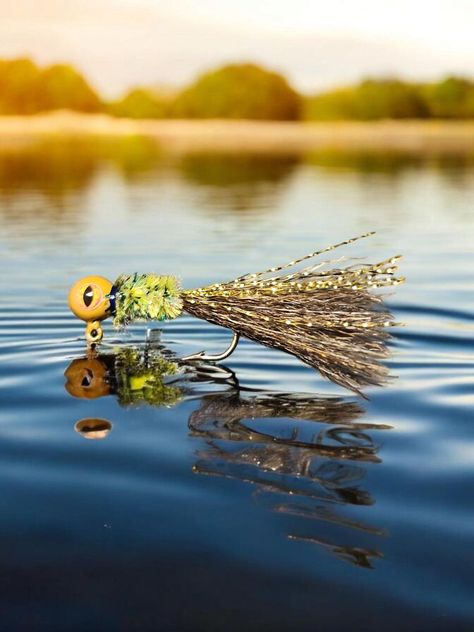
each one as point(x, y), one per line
point(316, 44)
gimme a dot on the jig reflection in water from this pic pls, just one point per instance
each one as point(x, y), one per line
point(304, 454)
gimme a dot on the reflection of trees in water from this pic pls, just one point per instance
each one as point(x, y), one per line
point(39, 182)
point(388, 186)
point(136, 158)
point(57, 165)
point(392, 164)
point(305, 455)
point(60, 171)
point(238, 181)
point(45, 181)
point(54, 167)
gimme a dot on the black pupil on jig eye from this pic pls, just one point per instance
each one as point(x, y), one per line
point(88, 296)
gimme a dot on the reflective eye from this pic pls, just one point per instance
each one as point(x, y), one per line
point(88, 296)
point(87, 378)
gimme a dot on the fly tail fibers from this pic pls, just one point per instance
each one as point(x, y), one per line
point(324, 314)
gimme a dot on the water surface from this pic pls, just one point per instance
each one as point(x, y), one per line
point(256, 495)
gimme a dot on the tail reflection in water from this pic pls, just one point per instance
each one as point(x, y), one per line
point(304, 454)
point(299, 472)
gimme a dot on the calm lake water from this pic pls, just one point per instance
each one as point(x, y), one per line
point(254, 496)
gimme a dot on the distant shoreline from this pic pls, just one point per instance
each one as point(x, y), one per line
point(417, 137)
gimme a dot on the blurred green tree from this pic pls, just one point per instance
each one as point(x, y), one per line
point(19, 86)
point(330, 106)
point(239, 91)
point(62, 87)
point(140, 103)
point(451, 98)
point(389, 98)
point(369, 100)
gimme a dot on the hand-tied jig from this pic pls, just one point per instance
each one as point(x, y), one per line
point(323, 314)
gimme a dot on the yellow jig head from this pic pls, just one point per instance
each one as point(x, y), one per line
point(90, 300)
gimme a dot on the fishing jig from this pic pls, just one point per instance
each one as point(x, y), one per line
point(324, 314)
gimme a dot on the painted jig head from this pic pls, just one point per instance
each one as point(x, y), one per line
point(90, 299)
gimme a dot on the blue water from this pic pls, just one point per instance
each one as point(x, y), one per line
point(254, 495)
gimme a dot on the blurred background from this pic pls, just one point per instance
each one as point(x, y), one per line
point(265, 60)
point(209, 140)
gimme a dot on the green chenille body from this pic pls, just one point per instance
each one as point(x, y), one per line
point(146, 297)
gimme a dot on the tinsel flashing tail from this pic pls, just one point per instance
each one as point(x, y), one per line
point(324, 314)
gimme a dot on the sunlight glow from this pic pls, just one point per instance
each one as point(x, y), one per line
point(120, 43)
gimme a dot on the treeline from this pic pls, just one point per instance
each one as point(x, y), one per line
point(237, 91)
point(27, 89)
point(451, 98)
